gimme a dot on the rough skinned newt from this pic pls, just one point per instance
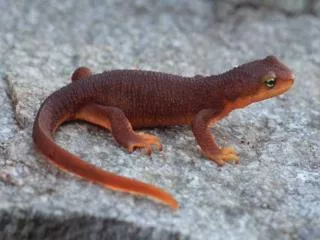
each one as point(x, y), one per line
point(123, 100)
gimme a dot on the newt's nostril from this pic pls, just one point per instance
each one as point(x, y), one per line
point(292, 77)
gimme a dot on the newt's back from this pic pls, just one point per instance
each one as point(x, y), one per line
point(147, 98)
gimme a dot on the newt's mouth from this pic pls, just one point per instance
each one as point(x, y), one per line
point(282, 86)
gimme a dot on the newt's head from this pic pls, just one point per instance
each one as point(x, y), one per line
point(262, 79)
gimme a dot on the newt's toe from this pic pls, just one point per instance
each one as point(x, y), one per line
point(145, 141)
point(230, 155)
point(151, 140)
point(223, 156)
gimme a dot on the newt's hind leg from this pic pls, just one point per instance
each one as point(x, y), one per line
point(114, 119)
point(81, 73)
point(202, 133)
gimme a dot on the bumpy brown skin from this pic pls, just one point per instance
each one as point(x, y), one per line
point(123, 100)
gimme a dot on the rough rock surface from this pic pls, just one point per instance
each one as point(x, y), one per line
point(289, 7)
point(273, 194)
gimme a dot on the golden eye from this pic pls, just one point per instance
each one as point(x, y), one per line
point(270, 82)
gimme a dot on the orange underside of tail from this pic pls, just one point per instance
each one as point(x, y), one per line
point(70, 163)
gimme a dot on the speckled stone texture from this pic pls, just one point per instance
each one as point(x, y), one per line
point(273, 194)
point(288, 7)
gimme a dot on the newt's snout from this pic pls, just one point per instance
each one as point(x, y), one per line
point(287, 83)
point(292, 78)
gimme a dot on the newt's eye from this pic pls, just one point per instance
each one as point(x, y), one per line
point(270, 82)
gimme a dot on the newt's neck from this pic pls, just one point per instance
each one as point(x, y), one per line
point(227, 89)
point(222, 86)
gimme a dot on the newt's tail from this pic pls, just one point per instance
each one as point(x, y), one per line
point(45, 125)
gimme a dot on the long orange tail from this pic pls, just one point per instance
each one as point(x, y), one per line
point(44, 126)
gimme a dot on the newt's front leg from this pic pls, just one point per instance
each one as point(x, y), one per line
point(202, 133)
point(114, 119)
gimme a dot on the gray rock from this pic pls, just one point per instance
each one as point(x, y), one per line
point(317, 8)
point(8, 125)
point(273, 194)
point(292, 6)
point(223, 9)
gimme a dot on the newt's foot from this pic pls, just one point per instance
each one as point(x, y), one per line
point(143, 140)
point(223, 156)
